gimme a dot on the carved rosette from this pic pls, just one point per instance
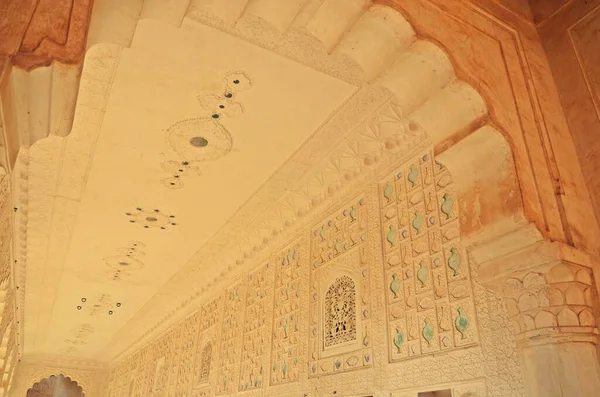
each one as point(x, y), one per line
point(340, 311)
point(428, 287)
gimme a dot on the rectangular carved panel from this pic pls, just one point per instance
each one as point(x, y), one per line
point(428, 286)
point(340, 313)
point(207, 349)
point(289, 270)
point(257, 328)
point(233, 322)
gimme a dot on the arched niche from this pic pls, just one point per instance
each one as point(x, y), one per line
point(56, 386)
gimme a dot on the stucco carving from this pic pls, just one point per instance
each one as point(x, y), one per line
point(379, 143)
point(430, 304)
point(341, 248)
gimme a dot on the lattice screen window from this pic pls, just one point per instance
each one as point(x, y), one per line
point(340, 312)
point(205, 360)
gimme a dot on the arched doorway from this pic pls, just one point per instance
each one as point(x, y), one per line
point(56, 386)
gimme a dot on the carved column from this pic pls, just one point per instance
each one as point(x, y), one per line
point(548, 289)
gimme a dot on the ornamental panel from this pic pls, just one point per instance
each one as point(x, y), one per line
point(428, 287)
point(288, 294)
point(257, 328)
point(340, 312)
point(233, 323)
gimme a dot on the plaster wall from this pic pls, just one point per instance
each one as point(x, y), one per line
point(398, 240)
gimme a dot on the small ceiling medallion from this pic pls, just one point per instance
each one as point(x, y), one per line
point(126, 261)
point(204, 138)
point(151, 218)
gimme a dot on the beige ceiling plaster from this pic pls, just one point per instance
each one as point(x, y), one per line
point(158, 83)
point(73, 228)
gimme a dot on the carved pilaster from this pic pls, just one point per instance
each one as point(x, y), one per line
point(548, 289)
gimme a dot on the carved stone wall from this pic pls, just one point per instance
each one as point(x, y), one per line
point(378, 296)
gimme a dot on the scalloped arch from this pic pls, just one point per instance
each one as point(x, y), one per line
point(79, 390)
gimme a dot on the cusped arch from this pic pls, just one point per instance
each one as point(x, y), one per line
point(48, 386)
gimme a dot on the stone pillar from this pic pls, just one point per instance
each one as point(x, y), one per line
point(548, 290)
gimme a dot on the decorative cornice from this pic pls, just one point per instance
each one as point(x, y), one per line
point(53, 360)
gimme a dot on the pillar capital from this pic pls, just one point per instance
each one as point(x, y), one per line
point(548, 289)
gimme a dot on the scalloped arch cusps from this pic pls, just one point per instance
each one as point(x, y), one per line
point(47, 387)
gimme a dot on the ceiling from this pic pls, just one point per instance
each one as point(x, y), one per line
point(198, 142)
point(195, 122)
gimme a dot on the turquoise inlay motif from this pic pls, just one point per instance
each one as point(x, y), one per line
point(418, 222)
point(447, 206)
point(461, 323)
point(427, 331)
point(398, 340)
point(391, 236)
point(388, 191)
point(413, 174)
point(454, 260)
point(395, 285)
point(422, 274)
